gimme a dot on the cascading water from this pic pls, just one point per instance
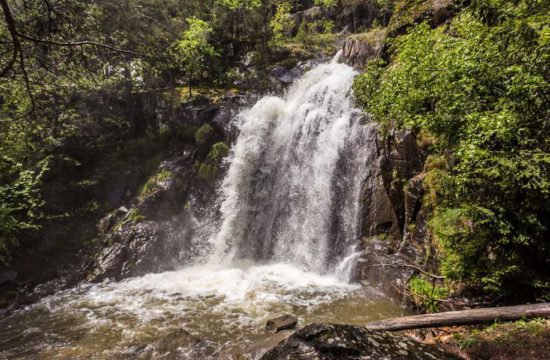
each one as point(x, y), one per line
point(290, 212)
point(292, 190)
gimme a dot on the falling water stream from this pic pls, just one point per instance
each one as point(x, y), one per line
point(289, 207)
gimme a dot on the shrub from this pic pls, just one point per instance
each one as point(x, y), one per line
point(479, 87)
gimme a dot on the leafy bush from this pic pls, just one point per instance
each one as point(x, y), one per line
point(20, 201)
point(479, 87)
point(282, 22)
point(427, 294)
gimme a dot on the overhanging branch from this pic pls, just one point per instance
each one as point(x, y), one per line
point(15, 40)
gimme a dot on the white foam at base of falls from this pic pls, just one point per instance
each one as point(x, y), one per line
point(291, 193)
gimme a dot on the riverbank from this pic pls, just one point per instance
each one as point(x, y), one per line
point(524, 339)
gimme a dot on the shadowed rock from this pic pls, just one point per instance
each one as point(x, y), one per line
point(347, 342)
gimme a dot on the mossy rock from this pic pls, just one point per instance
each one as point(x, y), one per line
point(204, 134)
point(153, 185)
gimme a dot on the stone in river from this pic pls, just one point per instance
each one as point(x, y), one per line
point(285, 322)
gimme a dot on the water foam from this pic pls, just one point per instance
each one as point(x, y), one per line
point(292, 190)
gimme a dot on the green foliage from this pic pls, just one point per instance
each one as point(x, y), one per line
point(427, 294)
point(237, 4)
point(20, 201)
point(194, 48)
point(316, 36)
point(152, 184)
point(510, 335)
point(282, 22)
point(325, 3)
point(479, 87)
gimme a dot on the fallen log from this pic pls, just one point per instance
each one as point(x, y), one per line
point(463, 317)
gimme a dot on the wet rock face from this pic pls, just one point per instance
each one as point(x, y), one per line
point(155, 229)
point(396, 160)
point(394, 221)
point(347, 342)
point(382, 266)
point(7, 276)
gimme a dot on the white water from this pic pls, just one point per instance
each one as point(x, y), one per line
point(292, 190)
point(289, 221)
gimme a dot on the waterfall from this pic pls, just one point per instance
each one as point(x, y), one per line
point(286, 242)
point(292, 190)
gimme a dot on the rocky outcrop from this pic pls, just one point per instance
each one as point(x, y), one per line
point(386, 194)
point(384, 266)
point(347, 342)
point(359, 49)
point(259, 349)
point(281, 77)
point(155, 229)
point(394, 221)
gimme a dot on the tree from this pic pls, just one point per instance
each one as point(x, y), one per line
point(282, 22)
point(194, 48)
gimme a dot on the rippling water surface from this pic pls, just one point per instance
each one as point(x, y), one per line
point(228, 307)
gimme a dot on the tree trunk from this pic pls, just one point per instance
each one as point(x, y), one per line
point(464, 317)
point(172, 101)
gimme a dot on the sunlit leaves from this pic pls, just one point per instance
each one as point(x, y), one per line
point(479, 85)
point(237, 4)
point(194, 46)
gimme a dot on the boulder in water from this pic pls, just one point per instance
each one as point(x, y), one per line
point(285, 322)
point(347, 342)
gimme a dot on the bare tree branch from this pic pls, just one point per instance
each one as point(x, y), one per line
point(77, 44)
point(13, 32)
point(27, 82)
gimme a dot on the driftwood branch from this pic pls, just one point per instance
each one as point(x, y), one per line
point(464, 317)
